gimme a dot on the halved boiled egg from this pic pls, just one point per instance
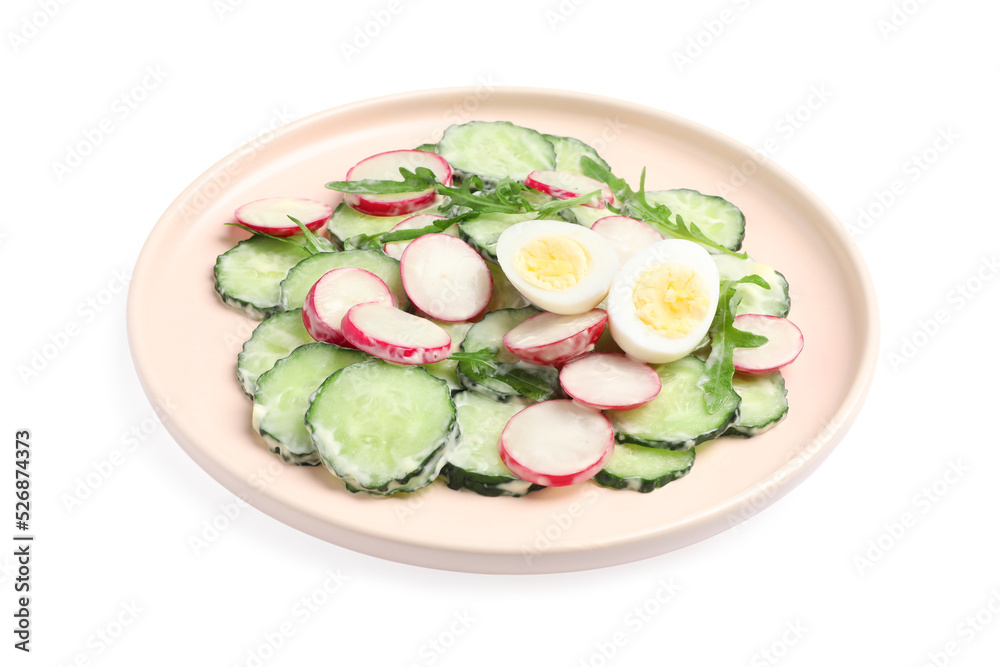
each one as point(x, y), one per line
point(663, 301)
point(558, 266)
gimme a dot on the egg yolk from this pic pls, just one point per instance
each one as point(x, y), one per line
point(552, 262)
point(670, 299)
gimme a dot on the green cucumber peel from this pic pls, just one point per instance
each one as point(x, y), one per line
point(482, 365)
point(717, 381)
point(657, 215)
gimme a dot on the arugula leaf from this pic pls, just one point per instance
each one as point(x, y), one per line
point(717, 381)
point(482, 365)
point(657, 215)
point(321, 245)
point(435, 227)
point(505, 198)
point(417, 181)
point(526, 384)
point(365, 241)
point(471, 194)
point(549, 209)
point(314, 242)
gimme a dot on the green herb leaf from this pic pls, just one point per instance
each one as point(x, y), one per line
point(526, 384)
point(315, 243)
point(657, 215)
point(483, 365)
point(417, 181)
point(326, 246)
point(717, 381)
point(553, 207)
point(470, 194)
point(435, 227)
point(365, 242)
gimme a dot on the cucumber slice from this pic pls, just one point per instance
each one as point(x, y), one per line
point(584, 215)
point(304, 275)
point(677, 417)
point(247, 277)
point(383, 428)
point(644, 469)
point(347, 225)
point(569, 150)
point(475, 463)
point(720, 220)
point(753, 299)
point(496, 150)
point(482, 232)
point(273, 339)
point(763, 403)
point(489, 333)
point(282, 398)
point(505, 295)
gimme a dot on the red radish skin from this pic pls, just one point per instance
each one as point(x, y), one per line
point(445, 278)
point(385, 167)
point(627, 235)
point(395, 249)
point(333, 295)
point(608, 381)
point(563, 185)
point(783, 346)
point(393, 335)
point(549, 339)
point(270, 215)
point(557, 443)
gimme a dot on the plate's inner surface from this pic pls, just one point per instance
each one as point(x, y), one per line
point(185, 342)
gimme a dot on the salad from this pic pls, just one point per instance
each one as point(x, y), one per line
point(502, 311)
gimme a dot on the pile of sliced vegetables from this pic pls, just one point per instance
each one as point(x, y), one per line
point(501, 311)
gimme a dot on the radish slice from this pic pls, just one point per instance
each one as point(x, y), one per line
point(627, 235)
point(271, 215)
point(396, 248)
point(385, 167)
point(606, 381)
point(563, 185)
point(445, 277)
point(784, 343)
point(391, 334)
point(551, 340)
point(333, 295)
point(557, 443)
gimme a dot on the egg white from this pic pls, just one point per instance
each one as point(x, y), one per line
point(592, 286)
point(635, 337)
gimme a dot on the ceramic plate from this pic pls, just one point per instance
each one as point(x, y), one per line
point(184, 342)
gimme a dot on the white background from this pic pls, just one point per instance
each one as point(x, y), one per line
point(883, 556)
